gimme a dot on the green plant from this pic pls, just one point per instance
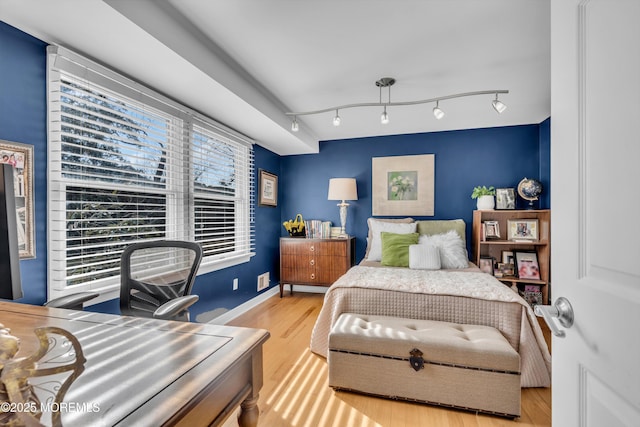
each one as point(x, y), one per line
point(483, 191)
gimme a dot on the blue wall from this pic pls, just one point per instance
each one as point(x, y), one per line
point(463, 160)
point(23, 119)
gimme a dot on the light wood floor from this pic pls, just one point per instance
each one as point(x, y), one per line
point(296, 391)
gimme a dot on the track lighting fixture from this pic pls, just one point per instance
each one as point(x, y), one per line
point(498, 106)
point(384, 118)
point(437, 112)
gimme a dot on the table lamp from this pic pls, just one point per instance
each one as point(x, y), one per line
point(343, 189)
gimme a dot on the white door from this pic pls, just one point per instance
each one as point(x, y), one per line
point(595, 200)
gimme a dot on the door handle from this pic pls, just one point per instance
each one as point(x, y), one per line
point(561, 310)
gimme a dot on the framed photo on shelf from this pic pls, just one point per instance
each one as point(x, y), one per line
point(506, 270)
point(522, 229)
point(505, 198)
point(507, 257)
point(486, 264)
point(491, 229)
point(526, 265)
point(268, 189)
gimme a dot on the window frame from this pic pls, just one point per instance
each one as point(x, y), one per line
point(181, 223)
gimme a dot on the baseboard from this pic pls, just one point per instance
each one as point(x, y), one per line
point(245, 306)
point(253, 302)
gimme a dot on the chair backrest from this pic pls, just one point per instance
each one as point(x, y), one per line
point(153, 273)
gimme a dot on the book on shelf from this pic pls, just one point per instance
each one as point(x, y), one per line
point(317, 229)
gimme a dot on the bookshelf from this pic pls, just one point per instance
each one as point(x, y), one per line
point(497, 247)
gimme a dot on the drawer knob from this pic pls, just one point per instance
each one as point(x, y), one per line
point(312, 262)
point(313, 276)
point(312, 248)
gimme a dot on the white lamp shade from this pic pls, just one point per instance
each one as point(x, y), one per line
point(342, 189)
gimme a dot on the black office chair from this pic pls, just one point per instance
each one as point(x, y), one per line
point(156, 279)
point(73, 301)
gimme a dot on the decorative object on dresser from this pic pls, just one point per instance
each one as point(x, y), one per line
point(295, 228)
point(314, 262)
point(343, 189)
point(528, 233)
point(485, 198)
point(403, 185)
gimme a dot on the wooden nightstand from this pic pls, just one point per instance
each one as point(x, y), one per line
point(314, 262)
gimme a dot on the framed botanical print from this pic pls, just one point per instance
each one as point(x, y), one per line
point(20, 156)
point(268, 189)
point(403, 185)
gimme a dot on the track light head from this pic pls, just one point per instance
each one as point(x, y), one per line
point(294, 125)
point(384, 118)
point(498, 105)
point(337, 120)
point(437, 112)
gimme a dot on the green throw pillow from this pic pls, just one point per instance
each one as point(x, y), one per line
point(395, 248)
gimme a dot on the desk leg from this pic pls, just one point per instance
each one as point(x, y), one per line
point(248, 416)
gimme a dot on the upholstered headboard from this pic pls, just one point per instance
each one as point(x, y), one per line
point(434, 226)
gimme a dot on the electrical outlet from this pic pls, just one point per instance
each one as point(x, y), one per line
point(263, 281)
point(235, 284)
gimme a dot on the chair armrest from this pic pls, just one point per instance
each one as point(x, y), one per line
point(171, 309)
point(73, 301)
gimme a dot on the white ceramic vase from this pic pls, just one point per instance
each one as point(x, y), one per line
point(486, 203)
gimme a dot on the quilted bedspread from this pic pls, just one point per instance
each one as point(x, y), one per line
point(459, 296)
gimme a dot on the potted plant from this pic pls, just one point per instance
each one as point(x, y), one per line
point(485, 197)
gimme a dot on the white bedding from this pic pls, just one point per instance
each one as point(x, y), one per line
point(460, 296)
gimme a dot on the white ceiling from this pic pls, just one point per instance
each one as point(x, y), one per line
point(247, 62)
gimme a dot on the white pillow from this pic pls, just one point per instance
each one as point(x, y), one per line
point(377, 227)
point(453, 253)
point(424, 257)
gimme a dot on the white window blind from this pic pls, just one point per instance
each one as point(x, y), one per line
point(126, 165)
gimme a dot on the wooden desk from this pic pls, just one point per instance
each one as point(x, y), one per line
point(150, 372)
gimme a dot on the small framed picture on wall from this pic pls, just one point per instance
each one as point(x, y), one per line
point(268, 189)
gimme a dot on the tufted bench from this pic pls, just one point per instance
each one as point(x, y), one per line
point(469, 367)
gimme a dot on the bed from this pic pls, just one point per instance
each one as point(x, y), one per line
point(459, 295)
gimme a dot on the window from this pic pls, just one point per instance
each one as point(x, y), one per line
point(127, 164)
